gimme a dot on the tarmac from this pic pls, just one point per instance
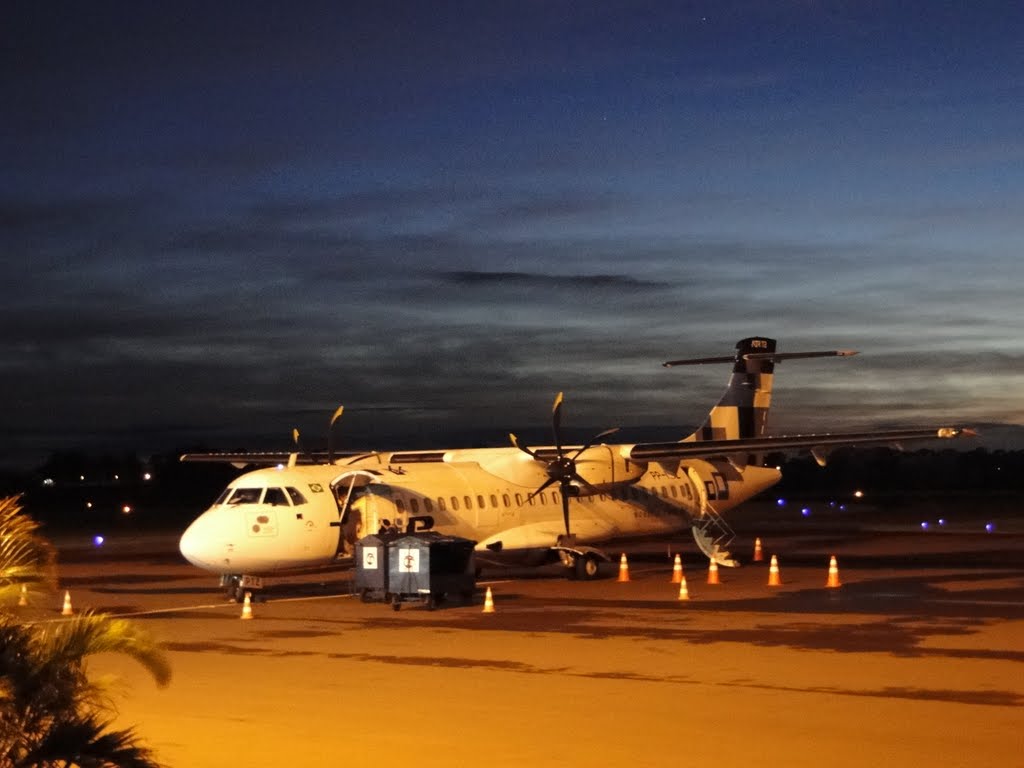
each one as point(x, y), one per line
point(917, 659)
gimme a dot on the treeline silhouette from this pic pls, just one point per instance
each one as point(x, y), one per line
point(892, 472)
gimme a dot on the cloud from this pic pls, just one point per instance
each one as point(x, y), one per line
point(526, 279)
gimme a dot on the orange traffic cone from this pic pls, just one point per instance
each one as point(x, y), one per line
point(713, 573)
point(833, 573)
point(684, 593)
point(623, 568)
point(488, 602)
point(773, 573)
point(66, 610)
point(758, 556)
point(23, 600)
point(677, 571)
point(247, 607)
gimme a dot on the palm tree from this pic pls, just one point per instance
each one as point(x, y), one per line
point(51, 714)
point(26, 558)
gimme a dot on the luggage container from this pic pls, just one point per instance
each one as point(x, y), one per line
point(425, 567)
point(371, 576)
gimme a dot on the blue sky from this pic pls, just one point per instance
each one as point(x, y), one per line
point(218, 221)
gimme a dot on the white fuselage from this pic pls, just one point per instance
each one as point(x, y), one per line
point(304, 517)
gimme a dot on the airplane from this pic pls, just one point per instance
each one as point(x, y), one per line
point(529, 506)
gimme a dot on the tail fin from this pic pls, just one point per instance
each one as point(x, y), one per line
point(743, 410)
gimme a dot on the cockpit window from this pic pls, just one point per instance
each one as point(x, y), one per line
point(296, 497)
point(245, 496)
point(223, 496)
point(276, 497)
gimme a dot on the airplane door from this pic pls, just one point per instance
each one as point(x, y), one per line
point(357, 512)
point(698, 486)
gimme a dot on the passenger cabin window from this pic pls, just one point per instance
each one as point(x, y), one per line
point(296, 497)
point(275, 497)
point(246, 496)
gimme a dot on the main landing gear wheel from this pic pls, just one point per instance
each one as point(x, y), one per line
point(587, 567)
point(583, 567)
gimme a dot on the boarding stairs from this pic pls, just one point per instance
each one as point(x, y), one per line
point(712, 535)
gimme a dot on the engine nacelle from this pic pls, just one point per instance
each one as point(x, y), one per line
point(605, 469)
point(599, 465)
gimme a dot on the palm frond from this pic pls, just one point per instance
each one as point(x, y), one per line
point(26, 557)
point(88, 634)
point(85, 741)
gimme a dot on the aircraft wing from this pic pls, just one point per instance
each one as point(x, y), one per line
point(264, 458)
point(705, 448)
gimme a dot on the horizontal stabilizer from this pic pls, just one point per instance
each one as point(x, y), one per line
point(774, 357)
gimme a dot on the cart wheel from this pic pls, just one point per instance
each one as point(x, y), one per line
point(396, 603)
point(431, 602)
point(365, 595)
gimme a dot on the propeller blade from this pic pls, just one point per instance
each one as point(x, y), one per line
point(337, 414)
point(298, 444)
point(556, 422)
point(536, 493)
point(523, 448)
point(584, 483)
point(330, 433)
point(594, 439)
point(565, 511)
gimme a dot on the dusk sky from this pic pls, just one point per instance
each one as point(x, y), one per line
point(220, 220)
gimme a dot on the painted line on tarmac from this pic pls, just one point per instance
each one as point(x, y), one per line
point(226, 604)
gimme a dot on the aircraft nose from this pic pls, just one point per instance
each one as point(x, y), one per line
point(196, 545)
